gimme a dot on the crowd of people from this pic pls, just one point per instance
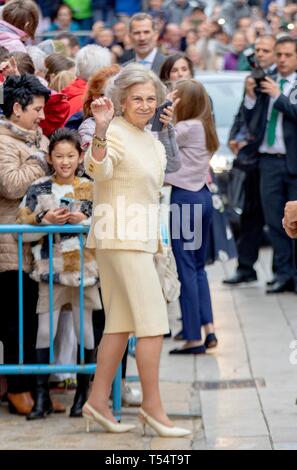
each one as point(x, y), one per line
point(77, 136)
point(212, 34)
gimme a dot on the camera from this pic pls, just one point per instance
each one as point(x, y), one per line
point(258, 74)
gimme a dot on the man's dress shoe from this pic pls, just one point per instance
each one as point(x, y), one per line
point(239, 277)
point(270, 283)
point(281, 286)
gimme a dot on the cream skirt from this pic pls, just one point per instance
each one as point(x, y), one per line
point(131, 292)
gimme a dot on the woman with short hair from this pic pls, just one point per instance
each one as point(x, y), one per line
point(22, 150)
point(127, 164)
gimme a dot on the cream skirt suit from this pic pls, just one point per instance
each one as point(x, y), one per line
point(125, 229)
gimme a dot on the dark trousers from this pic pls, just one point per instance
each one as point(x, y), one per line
point(9, 327)
point(195, 299)
point(251, 224)
point(277, 187)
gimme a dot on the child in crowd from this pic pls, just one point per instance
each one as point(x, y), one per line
point(43, 204)
point(18, 23)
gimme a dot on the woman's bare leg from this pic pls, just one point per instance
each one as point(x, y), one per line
point(110, 353)
point(148, 353)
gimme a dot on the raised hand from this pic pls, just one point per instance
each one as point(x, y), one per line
point(9, 67)
point(103, 112)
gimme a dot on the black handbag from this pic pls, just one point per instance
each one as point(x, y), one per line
point(236, 195)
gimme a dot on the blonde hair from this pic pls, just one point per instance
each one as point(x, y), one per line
point(56, 63)
point(195, 104)
point(62, 80)
point(130, 75)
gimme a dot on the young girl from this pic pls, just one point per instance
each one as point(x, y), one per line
point(197, 140)
point(18, 23)
point(43, 204)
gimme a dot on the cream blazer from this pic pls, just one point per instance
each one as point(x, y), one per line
point(127, 185)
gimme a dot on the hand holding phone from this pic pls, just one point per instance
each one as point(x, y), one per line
point(157, 125)
point(57, 216)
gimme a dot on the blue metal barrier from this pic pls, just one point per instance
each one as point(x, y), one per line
point(22, 368)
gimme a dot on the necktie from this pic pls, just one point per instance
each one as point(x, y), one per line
point(143, 62)
point(271, 128)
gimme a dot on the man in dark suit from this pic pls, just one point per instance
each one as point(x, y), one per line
point(271, 119)
point(144, 36)
point(252, 218)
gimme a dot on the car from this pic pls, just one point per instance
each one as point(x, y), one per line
point(226, 91)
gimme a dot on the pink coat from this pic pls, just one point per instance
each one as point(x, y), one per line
point(11, 37)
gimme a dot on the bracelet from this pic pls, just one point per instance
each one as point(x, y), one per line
point(99, 142)
point(40, 216)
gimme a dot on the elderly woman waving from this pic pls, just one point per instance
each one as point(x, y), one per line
point(127, 164)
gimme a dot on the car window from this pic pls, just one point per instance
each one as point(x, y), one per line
point(226, 98)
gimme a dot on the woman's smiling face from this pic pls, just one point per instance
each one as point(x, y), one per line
point(140, 104)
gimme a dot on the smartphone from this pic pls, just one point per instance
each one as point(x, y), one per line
point(65, 203)
point(157, 125)
point(71, 204)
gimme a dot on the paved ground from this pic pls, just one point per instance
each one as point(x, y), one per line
point(245, 390)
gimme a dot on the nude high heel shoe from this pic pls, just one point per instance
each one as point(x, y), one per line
point(107, 425)
point(161, 429)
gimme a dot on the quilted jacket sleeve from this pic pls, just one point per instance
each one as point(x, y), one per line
point(15, 176)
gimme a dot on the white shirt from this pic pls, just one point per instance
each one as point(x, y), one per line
point(149, 59)
point(279, 145)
